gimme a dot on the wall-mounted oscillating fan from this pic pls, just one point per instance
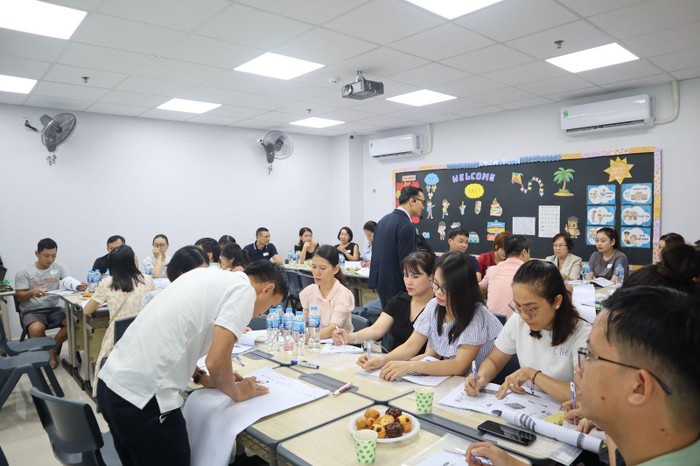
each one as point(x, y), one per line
point(278, 145)
point(56, 131)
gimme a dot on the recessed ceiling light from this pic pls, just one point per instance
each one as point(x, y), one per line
point(315, 122)
point(40, 18)
point(420, 98)
point(590, 59)
point(16, 85)
point(189, 106)
point(452, 9)
point(278, 66)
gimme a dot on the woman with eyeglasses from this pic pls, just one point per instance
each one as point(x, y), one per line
point(456, 325)
point(158, 258)
point(545, 331)
point(401, 312)
point(569, 265)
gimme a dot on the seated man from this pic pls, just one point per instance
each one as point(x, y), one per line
point(39, 310)
point(262, 248)
point(496, 285)
point(203, 312)
point(113, 242)
point(458, 241)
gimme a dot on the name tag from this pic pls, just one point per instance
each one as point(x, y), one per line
point(609, 266)
point(265, 254)
point(53, 272)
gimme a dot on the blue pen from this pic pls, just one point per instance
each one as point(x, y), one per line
point(304, 364)
point(474, 371)
point(573, 394)
point(239, 360)
point(368, 348)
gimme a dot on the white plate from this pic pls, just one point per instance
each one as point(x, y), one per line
point(415, 427)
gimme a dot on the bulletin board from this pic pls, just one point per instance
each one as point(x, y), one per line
point(540, 196)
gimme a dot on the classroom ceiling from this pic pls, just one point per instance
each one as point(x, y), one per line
point(140, 53)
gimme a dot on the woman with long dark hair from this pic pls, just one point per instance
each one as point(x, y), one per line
point(233, 258)
point(123, 292)
point(456, 325)
point(306, 246)
point(604, 261)
point(545, 331)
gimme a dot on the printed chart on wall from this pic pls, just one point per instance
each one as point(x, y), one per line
point(540, 196)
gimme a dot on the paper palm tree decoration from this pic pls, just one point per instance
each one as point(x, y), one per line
point(562, 176)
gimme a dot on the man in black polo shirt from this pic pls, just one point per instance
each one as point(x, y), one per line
point(262, 248)
point(113, 242)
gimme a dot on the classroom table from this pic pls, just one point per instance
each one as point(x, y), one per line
point(354, 281)
point(4, 311)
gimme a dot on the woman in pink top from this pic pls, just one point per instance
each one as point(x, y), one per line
point(334, 301)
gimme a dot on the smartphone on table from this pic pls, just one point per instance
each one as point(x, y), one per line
point(513, 434)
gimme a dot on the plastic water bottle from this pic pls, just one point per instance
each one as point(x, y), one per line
point(149, 269)
point(620, 273)
point(297, 256)
point(105, 275)
point(288, 323)
point(91, 281)
point(341, 260)
point(290, 257)
point(585, 270)
point(314, 328)
point(299, 334)
point(273, 326)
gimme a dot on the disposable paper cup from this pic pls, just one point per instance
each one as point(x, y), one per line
point(424, 399)
point(365, 446)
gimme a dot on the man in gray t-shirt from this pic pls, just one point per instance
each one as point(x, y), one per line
point(40, 310)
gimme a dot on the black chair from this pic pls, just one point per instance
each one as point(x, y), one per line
point(75, 437)
point(305, 280)
point(258, 323)
point(13, 367)
point(12, 348)
point(359, 322)
point(3, 460)
point(292, 299)
point(120, 326)
point(501, 318)
point(512, 366)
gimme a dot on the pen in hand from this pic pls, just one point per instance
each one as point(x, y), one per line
point(337, 331)
point(238, 360)
point(476, 376)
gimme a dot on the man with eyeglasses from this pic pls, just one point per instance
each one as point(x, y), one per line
point(394, 239)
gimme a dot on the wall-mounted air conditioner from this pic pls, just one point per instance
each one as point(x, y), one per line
point(406, 144)
point(628, 112)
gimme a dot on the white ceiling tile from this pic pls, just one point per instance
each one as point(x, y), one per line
point(639, 82)
point(184, 15)
point(85, 5)
point(294, 90)
point(146, 85)
point(164, 68)
point(593, 7)
point(22, 68)
point(507, 20)
point(688, 73)
point(456, 105)
point(491, 58)
point(384, 21)
point(241, 82)
point(334, 99)
point(256, 28)
point(214, 120)
point(278, 117)
point(388, 120)
point(123, 34)
point(678, 60)
point(310, 11)
point(344, 114)
point(30, 46)
point(73, 75)
point(12, 98)
point(379, 106)
point(442, 42)
point(324, 46)
point(556, 85)
point(56, 103)
point(577, 36)
point(323, 76)
point(668, 41)
point(578, 94)
point(527, 73)
point(264, 102)
point(236, 112)
point(212, 52)
point(481, 111)
point(254, 124)
point(646, 17)
point(534, 102)
point(101, 58)
point(68, 91)
point(212, 94)
point(620, 72)
point(116, 109)
point(166, 115)
point(301, 108)
point(430, 75)
point(393, 88)
point(469, 86)
point(133, 99)
point(382, 62)
point(501, 96)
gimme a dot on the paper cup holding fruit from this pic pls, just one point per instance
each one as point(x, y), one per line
point(392, 426)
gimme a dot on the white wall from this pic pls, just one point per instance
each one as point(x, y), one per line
point(139, 177)
point(534, 131)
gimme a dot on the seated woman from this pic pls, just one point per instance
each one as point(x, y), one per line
point(123, 291)
point(184, 260)
point(669, 239)
point(350, 250)
point(568, 264)
point(306, 246)
point(679, 269)
point(456, 325)
point(158, 258)
point(545, 331)
point(368, 228)
point(233, 258)
point(211, 249)
point(334, 301)
point(491, 258)
point(225, 239)
point(605, 259)
point(402, 310)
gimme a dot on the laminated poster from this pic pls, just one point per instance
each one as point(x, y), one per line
point(494, 228)
point(591, 232)
point(634, 237)
point(550, 221)
point(638, 193)
point(601, 215)
point(601, 194)
point(636, 215)
point(524, 226)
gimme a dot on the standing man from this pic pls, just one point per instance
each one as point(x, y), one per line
point(394, 239)
point(497, 284)
point(38, 309)
point(203, 312)
point(113, 242)
point(262, 248)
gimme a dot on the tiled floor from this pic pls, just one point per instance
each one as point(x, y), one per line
point(22, 438)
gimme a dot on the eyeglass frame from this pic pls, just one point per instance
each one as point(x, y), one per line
point(436, 286)
point(515, 307)
point(587, 355)
point(560, 245)
point(419, 199)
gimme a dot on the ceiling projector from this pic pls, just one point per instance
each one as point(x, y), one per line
point(362, 88)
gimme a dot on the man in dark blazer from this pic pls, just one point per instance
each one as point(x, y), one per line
point(394, 239)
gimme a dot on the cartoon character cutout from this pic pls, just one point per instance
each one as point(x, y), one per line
point(445, 205)
point(429, 209)
point(441, 230)
point(477, 207)
point(462, 206)
point(572, 227)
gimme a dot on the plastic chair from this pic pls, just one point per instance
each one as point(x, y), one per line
point(120, 326)
point(75, 437)
point(359, 322)
point(292, 299)
point(305, 280)
point(13, 367)
point(12, 348)
point(510, 367)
